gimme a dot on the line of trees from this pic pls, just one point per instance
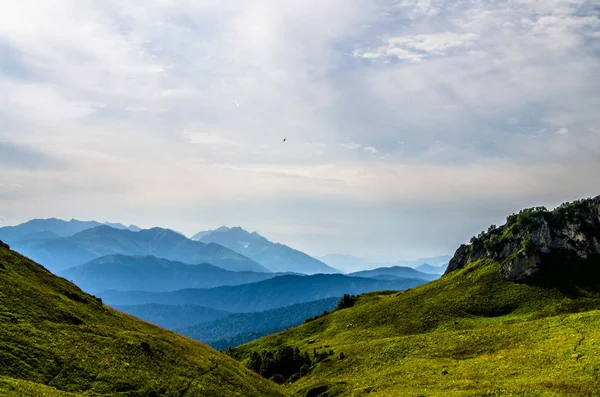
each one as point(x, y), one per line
point(286, 364)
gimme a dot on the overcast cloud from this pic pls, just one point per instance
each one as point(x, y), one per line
point(410, 125)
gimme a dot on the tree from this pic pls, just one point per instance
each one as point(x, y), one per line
point(347, 301)
point(492, 243)
point(268, 365)
point(284, 362)
point(255, 362)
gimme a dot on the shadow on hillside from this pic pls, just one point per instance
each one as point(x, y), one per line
point(569, 274)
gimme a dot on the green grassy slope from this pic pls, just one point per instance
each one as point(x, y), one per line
point(470, 333)
point(56, 340)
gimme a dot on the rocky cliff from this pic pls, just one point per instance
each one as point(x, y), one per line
point(537, 243)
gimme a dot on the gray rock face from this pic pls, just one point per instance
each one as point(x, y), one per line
point(535, 240)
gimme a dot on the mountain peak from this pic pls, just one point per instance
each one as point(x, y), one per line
point(538, 243)
point(132, 228)
point(276, 257)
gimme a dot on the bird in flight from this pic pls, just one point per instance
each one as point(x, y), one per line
point(284, 139)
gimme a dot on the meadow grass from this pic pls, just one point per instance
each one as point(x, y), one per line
point(471, 333)
point(56, 340)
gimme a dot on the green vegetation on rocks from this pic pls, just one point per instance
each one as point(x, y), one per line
point(537, 244)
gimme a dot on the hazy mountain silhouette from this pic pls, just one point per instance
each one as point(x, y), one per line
point(149, 273)
point(394, 272)
point(276, 257)
point(264, 295)
point(63, 253)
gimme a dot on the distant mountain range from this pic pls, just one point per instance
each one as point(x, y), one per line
point(132, 228)
point(350, 263)
point(276, 257)
point(440, 260)
point(173, 317)
point(148, 273)
point(264, 295)
point(235, 329)
point(60, 244)
point(394, 272)
point(62, 253)
point(38, 229)
point(437, 270)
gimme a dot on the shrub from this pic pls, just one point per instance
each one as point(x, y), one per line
point(527, 244)
point(346, 302)
point(278, 378)
point(284, 361)
point(73, 319)
point(145, 346)
point(492, 243)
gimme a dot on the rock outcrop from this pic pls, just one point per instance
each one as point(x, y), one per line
point(538, 242)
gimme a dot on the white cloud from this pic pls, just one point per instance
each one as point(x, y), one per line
point(418, 8)
point(436, 149)
point(137, 108)
point(351, 145)
point(562, 131)
point(160, 106)
point(435, 43)
point(415, 48)
point(206, 138)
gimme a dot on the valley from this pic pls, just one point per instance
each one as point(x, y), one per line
point(516, 313)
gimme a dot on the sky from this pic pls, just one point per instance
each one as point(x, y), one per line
point(410, 125)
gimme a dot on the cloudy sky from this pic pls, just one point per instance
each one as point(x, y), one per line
point(411, 125)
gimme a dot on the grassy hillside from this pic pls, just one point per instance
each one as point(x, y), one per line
point(56, 340)
point(470, 333)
